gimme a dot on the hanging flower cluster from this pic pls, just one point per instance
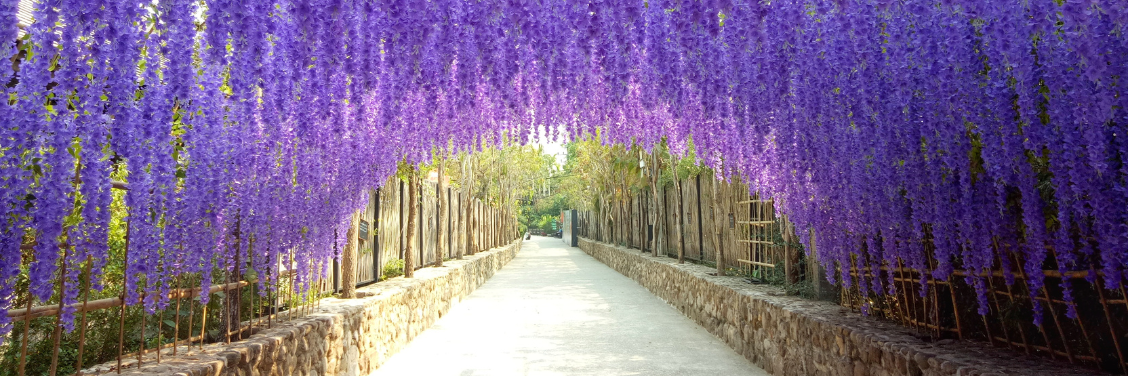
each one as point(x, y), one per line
point(972, 130)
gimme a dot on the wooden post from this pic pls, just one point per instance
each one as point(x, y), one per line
point(680, 217)
point(376, 246)
point(121, 318)
point(659, 202)
point(449, 222)
point(718, 226)
point(402, 222)
point(349, 258)
point(409, 254)
point(439, 216)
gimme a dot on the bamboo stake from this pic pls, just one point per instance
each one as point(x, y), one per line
point(1125, 295)
point(1053, 313)
point(58, 334)
point(203, 325)
point(121, 319)
point(1108, 317)
point(226, 304)
point(935, 297)
point(160, 330)
point(1080, 322)
point(293, 286)
point(27, 327)
point(238, 276)
point(910, 300)
point(139, 353)
point(1084, 332)
point(82, 328)
point(1021, 275)
point(952, 291)
point(1010, 298)
point(995, 299)
point(176, 325)
point(191, 317)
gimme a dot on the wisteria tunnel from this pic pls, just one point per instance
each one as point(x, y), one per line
point(838, 187)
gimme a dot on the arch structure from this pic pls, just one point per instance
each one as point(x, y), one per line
point(960, 128)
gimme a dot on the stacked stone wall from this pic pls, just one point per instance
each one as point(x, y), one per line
point(344, 337)
point(788, 335)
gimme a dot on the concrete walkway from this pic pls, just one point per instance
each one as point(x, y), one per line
point(554, 310)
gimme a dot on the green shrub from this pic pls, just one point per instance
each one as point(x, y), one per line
point(393, 268)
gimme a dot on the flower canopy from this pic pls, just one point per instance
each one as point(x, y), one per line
point(971, 130)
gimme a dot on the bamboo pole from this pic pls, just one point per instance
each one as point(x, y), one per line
point(238, 276)
point(139, 353)
point(176, 325)
point(203, 325)
point(27, 323)
point(82, 327)
point(58, 334)
point(121, 318)
point(191, 318)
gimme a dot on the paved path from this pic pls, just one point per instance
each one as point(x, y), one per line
point(554, 310)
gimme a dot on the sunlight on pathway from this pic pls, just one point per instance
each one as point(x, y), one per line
point(556, 311)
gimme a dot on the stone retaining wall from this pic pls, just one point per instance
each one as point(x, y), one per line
point(343, 336)
point(787, 335)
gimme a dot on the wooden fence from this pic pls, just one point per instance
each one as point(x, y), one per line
point(762, 247)
point(468, 225)
point(237, 308)
point(754, 242)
